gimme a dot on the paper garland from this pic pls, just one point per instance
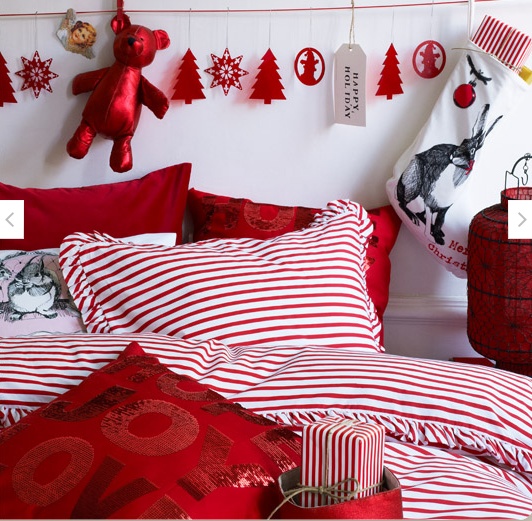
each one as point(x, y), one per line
point(226, 71)
point(268, 84)
point(188, 84)
point(390, 82)
point(429, 59)
point(6, 89)
point(309, 66)
point(37, 74)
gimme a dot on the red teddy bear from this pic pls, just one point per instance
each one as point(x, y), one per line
point(118, 93)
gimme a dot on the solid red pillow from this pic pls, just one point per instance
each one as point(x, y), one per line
point(153, 203)
point(219, 216)
point(135, 439)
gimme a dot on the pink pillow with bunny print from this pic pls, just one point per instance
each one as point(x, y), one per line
point(34, 297)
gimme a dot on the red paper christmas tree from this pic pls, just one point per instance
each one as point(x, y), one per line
point(6, 90)
point(226, 71)
point(268, 85)
point(188, 86)
point(37, 74)
point(390, 82)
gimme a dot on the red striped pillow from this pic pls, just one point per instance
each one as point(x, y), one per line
point(219, 216)
point(304, 287)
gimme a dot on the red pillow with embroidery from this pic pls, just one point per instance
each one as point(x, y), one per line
point(219, 216)
point(150, 204)
point(135, 439)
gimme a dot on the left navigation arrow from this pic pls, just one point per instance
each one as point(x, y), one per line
point(11, 220)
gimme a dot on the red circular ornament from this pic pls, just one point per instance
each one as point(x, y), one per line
point(464, 95)
point(309, 66)
point(429, 59)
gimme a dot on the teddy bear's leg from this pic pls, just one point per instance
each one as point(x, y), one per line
point(80, 142)
point(121, 155)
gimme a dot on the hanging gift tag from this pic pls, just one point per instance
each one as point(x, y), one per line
point(350, 85)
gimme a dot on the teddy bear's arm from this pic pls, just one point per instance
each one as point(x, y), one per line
point(87, 81)
point(153, 98)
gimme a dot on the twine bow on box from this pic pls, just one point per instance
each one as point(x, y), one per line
point(335, 492)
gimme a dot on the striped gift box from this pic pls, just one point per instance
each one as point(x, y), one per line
point(506, 43)
point(336, 450)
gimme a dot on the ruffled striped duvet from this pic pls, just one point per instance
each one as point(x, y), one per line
point(459, 436)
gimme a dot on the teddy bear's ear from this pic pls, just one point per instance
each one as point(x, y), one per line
point(162, 38)
point(118, 24)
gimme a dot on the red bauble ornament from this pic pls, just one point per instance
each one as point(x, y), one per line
point(464, 95)
point(268, 85)
point(188, 86)
point(429, 59)
point(309, 66)
point(226, 71)
point(37, 74)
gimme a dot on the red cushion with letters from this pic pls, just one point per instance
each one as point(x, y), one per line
point(150, 204)
point(137, 440)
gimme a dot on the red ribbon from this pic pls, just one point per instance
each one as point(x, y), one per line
point(120, 9)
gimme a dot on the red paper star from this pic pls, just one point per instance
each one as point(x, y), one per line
point(226, 71)
point(36, 74)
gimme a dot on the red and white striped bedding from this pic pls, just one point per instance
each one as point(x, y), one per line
point(302, 287)
point(425, 405)
point(439, 484)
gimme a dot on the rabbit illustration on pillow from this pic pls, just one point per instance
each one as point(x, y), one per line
point(34, 289)
point(433, 176)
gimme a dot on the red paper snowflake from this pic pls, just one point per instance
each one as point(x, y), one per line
point(37, 74)
point(226, 71)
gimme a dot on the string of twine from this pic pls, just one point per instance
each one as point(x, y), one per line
point(332, 491)
point(352, 28)
point(494, 56)
point(246, 10)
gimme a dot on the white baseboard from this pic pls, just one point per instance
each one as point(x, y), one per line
point(427, 327)
point(426, 310)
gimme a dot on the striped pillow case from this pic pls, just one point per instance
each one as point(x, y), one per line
point(304, 287)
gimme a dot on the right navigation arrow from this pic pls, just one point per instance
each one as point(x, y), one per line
point(519, 221)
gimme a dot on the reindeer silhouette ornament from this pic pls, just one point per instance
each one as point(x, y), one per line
point(432, 177)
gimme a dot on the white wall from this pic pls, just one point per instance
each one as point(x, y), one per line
point(289, 152)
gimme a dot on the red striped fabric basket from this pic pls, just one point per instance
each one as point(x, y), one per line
point(509, 45)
